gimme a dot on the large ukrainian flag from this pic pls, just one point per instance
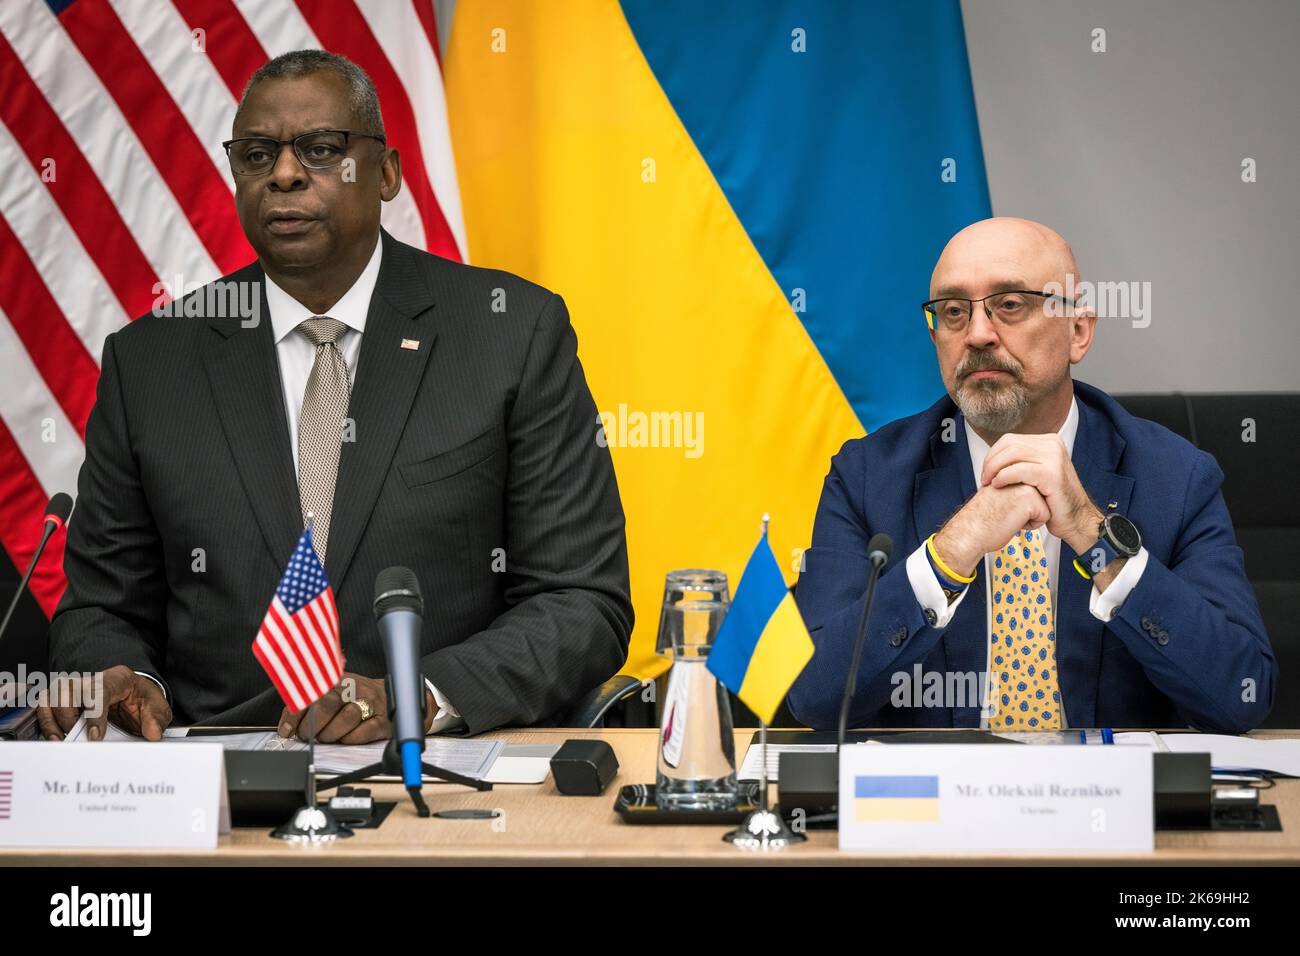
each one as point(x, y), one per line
point(741, 204)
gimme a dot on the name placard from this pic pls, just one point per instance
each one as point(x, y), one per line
point(983, 797)
point(112, 795)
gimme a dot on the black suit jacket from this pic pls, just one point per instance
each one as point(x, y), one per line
point(475, 464)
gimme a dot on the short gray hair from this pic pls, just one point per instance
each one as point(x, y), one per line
point(364, 99)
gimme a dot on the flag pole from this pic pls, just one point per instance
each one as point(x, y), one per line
point(310, 823)
point(311, 723)
point(762, 829)
point(311, 755)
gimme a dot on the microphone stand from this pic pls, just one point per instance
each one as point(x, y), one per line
point(877, 559)
point(813, 778)
point(50, 527)
point(391, 766)
point(52, 523)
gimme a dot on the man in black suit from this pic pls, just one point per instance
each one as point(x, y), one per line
point(426, 414)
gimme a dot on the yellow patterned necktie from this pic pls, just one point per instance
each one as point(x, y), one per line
point(1027, 693)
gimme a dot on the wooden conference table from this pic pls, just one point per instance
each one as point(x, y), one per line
point(541, 826)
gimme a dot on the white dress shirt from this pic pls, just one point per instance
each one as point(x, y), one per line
point(925, 585)
point(297, 356)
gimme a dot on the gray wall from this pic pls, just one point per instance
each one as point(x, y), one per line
point(1135, 155)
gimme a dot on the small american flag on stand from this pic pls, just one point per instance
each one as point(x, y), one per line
point(298, 642)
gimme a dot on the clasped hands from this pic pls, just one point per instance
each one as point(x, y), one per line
point(1027, 482)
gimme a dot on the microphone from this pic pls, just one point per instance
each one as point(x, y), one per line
point(399, 613)
point(56, 516)
point(879, 548)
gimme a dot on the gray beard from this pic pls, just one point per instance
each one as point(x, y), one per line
point(998, 408)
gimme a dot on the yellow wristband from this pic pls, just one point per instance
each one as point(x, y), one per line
point(929, 546)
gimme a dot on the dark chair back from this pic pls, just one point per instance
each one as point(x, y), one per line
point(1255, 437)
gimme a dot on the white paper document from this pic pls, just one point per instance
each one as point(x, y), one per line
point(753, 763)
point(749, 769)
point(113, 734)
point(1239, 753)
point(1146, 739)
point(523, 763)
point(468, 757)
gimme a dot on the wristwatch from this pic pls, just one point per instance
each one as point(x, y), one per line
point(950, 592)
point(1117, 538)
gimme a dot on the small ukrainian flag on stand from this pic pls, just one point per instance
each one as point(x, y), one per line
point(761, 648)
point(763, 644)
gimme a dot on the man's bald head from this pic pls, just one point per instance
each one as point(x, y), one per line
point(1038, 253)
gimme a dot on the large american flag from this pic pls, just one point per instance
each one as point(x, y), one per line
point(113, 181)
point(298, 642)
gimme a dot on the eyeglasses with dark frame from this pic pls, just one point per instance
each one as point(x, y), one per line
point(1007, 308)
point(315, 149)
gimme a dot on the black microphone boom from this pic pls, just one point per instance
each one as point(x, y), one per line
point(810, 781)
point(56, 516)
point(879, 548)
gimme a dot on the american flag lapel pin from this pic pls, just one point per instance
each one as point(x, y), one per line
point(411, 344)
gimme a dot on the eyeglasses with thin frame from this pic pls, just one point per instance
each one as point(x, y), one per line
point(315, 149)
point(1007, 308)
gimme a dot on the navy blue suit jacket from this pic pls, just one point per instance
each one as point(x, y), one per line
point(1187, 646)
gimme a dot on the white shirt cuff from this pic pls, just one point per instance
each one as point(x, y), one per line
point(156, 681)
point(929, 594)
point(1104, 605)
point(447, 716)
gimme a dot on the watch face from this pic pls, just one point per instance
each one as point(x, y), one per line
point(1124, 534)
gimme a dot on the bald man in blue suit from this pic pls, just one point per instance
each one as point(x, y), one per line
point(1143, 613)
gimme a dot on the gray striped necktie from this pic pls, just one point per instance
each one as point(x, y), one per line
point(320, 426)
